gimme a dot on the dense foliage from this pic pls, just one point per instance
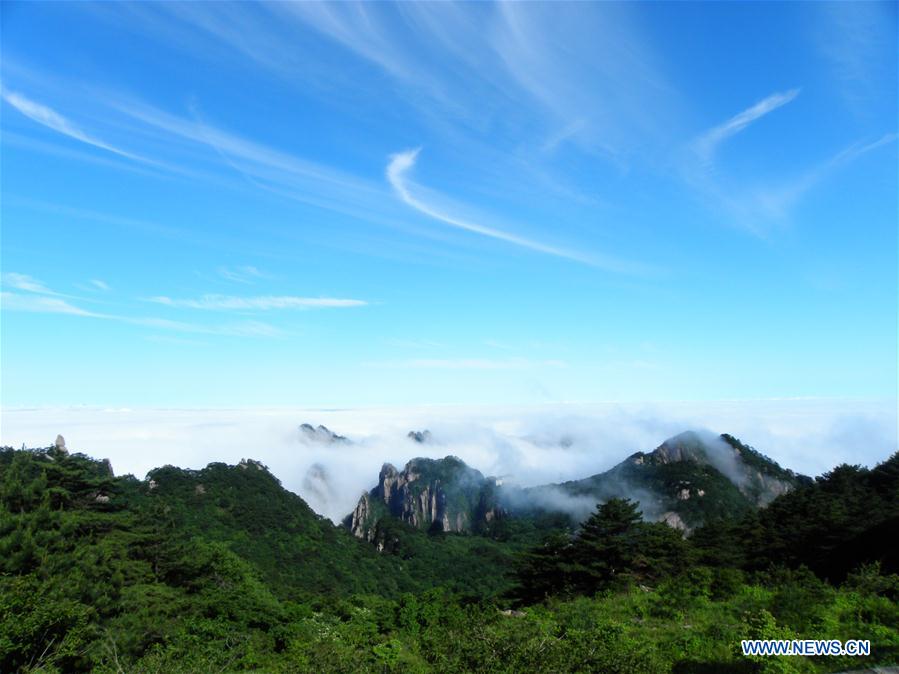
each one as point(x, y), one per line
point(223, 570)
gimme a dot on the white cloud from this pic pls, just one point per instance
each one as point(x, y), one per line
point(262, 303)
point(42, 304)
point(532, 445)
point(706, 145)
point(49, 303)
point(402, 162)
point(53, 120)
point(26, 283)
point(99, 285)
point(777, 201)
point(756, 207)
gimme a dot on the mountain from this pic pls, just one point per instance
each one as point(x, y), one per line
point(246, 508)
point(421, 437)
point(222, 569)
point(683, 482)
point(320, 434)
point(438, 495)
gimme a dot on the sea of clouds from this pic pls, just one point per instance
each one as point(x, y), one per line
point(526, 445)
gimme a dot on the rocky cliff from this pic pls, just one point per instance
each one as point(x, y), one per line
point(684, 482)
point(437, 495)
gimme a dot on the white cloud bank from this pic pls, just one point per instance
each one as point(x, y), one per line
point(529, 445)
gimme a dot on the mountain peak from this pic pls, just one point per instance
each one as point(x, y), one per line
point(430, 494)
point(320, 434)
point(688, 446)
point(421, 437)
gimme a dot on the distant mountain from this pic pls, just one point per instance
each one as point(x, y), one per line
point(318, 488)
point(420, 437)
point(685, 481)
point(320, 434)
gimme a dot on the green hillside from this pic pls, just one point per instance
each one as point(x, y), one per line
point(222, 569)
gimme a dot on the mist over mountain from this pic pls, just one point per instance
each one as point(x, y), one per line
point(546, 444)
point(688, 479)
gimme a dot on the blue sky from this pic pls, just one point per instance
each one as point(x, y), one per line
point(338, 205)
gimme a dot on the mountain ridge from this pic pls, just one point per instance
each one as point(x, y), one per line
point(684, 481)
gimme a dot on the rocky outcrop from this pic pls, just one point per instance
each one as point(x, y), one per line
point(252, 463)
point(321, 435)
point(438, 495)
point(683, 482)
point(360, 521)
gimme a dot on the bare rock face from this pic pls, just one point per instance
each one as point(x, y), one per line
point(360, 519)
point(251, 463)
point(442, 495)
point(60, 444)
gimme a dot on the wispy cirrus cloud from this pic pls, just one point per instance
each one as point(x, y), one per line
point(242, 274)
point(707, 144)
point(181, 145)
point(756, 207)
point(858, 40)
point(48, 117)
point(586, 74)
point(243, 329)
point(26, 283)
point(260, 303)
point(777, 201)
point(42, 304)
point(99, 285)
point(402, 162)
point(37, 298)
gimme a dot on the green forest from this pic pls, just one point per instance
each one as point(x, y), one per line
point(222, 570)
